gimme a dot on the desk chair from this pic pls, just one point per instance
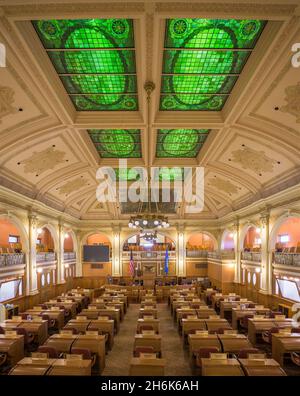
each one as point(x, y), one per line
point(142, 349)
point(204, 353)
point(295, 330)
point(86, 354)
point(145, 327)
point(267, 335)
point(243, 353)
point(272, 314)
point(28, 337)
point(52, 352)
point(1, 330)
point(244, 321)
point(73, 329)
point(218, 331)
point(51, 322)
point(295, 357)
point(251, 305)
point(100, 332)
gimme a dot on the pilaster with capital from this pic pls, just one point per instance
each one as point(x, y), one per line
point(31, 270)
point(266, 262)
point(116, 255)
point(181, 252)
point(60, 254)
point(237, 250)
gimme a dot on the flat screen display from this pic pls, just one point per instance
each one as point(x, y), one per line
point(289, 290)
point(96, 253)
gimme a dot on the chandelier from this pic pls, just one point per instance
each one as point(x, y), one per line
point(149, 236)
point(148, 221)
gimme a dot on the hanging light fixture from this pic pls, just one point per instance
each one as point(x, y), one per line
point(148, 220)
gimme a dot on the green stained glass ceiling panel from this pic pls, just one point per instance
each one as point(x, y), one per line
point(197, 84)
point(212, 33)
point(117, 143)
point(85, 33)
point(93, 62)
point(99, 84)
point(180, 143)
point(204, 62)
point(203, 59)
point(95, 59)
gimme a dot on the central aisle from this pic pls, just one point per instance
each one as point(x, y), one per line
point(118, 359)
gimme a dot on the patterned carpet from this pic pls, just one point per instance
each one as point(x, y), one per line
point(118, 359)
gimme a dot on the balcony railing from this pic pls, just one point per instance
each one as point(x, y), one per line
point(45, 257)
point(70, 256)
point(251, 256)
point(196, 253)
point(291, 259)
point(10, 259)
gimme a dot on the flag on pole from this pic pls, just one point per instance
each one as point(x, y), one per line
point(131, 264)
point(167, 261)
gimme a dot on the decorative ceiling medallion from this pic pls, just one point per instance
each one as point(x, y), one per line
point(72, 186)
point(257, 161)
point(43, 161)
point(293, 101)
point(6, 102)
point(223, 185)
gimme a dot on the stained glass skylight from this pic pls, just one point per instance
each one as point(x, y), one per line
point(203, 59)
point(117, 143)
point(161, 174)
point(95, 60)
point(180, 143)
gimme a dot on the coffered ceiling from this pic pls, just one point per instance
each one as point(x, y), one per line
point(72, 99)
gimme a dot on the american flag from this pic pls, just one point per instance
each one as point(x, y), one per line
point(131, 264)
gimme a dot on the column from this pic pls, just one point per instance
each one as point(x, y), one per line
point(236, 237)
point(181, 262)
point(266, 264)
point(78, 269)
point(31, 274)
point(116, 256)
point(60, 267)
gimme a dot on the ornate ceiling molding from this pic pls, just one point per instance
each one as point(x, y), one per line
point(6, 102)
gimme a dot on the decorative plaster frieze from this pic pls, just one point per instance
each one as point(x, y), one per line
point(6, 102)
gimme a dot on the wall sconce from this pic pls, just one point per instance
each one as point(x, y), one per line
point(39, 270)
point(257, 270)
point(39, 230)
point(258, 230)
point(231, 265)
point(231, 235)
point(66, 235)
point(66, 265)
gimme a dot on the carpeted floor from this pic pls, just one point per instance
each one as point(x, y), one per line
point(118, 359)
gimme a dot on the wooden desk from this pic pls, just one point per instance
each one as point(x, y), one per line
point(180, 312)
point(262, 367)
point(39, 329)
point(80, 325)
point(205, 313)
point(226, 307)
point(149, 311)
point(27, 366)
point(238, 313)
point(233, 343)
point(258, 326)
point(118, 305)
point(106, 326)
point(113, 313)
point(62, 342)
point(58, 316)
point(221, 367)
point(197, 341)
point(70, 367)
point(147, 367)
point(284, 343)
point(151, 322)
point(96, 344)
point(153, 340)
point(215, 324)
point(192, 324)
point(13, 347)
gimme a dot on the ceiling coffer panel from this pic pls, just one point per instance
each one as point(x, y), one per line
point(203, 59)
point(95, 60)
